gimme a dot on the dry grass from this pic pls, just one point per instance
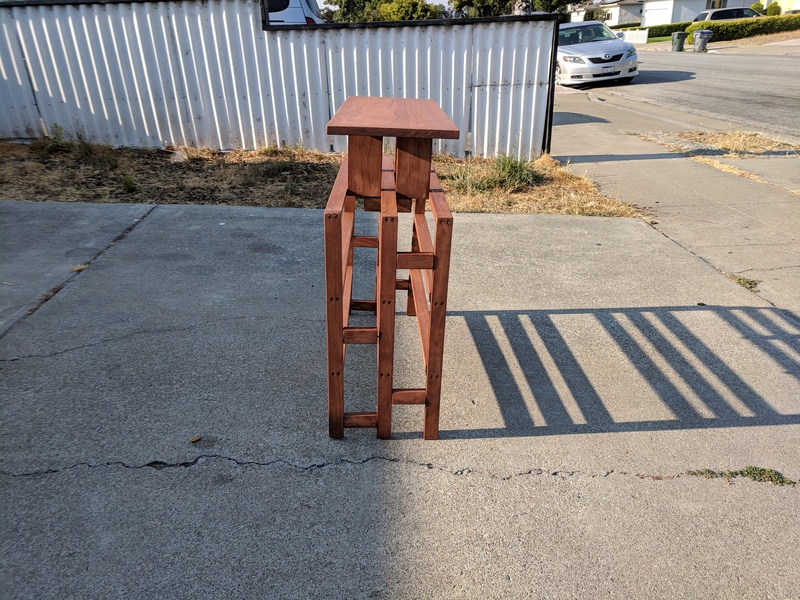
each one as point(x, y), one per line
point(83, 172)
point(52, 169)
point(736, 144)
point(728, 168)
point(726, 144)
point(552, 190)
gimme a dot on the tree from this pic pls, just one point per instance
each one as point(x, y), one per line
point(482, 8)
point(598, 14)
point(410, 10)
point(356, 11)
point(496, 8)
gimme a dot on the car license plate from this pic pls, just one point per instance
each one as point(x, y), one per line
point(607, 71)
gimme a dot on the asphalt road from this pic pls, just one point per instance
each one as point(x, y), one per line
point(756, 91)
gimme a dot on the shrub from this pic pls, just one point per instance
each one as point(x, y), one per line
point(742, 28)
point(667, 30)
point(773, 10)
point(637, 25)
point(758, 7)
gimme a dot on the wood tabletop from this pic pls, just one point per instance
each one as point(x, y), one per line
point(392, 117)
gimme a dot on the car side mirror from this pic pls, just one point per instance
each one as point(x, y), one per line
point(621, 35)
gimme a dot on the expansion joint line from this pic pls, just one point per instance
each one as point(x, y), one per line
point(52, 293)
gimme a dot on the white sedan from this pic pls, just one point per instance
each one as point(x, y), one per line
point(590, 52)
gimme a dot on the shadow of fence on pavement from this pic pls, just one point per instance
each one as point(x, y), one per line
point(557, 372)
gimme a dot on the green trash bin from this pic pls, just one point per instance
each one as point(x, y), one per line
point(678, 40)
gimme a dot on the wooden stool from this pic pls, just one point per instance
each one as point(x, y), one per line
point(389, 186)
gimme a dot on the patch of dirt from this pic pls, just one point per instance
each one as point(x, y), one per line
point(55, 170)
point(84, 172)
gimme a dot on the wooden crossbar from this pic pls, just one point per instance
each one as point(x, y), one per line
point(360, 335)
point(415, 260)
point(360, 419)
point(409, 396)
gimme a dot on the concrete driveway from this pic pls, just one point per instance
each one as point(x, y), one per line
point(590, 363)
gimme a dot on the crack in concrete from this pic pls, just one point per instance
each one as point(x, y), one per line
point(771, 269)
point(158, 465)
point(535, 472)
point(162, 465)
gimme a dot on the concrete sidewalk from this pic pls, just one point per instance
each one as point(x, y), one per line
point(589, 364)
point(783, 48)
point(746, 227)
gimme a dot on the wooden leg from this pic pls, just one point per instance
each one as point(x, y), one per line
point(334, 304)
point(385, 300)
point(441, 272)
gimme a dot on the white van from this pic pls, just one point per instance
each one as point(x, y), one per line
point(291, 12)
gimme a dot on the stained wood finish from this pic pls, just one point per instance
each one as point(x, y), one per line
point(413, 166)
point(363, 305)
point(409, 396)
point(390, 186)
point(334, 280)
point(415, 260)
point(392, 117)
point(385, 296)
point(366, 241)
point(360, 335)
point(364, 155)
point(360, 419)
point(374, 205)
point(442, 246)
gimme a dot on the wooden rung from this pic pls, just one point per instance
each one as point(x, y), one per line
point(404, 204)
point(365, 241)
point(408, 396)
point(415, 260)
point(360, 335)
point(402, 284)
point(360, 419)
point(374, 205)
point(363, 305)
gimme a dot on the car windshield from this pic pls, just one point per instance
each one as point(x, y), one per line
point(585, 34)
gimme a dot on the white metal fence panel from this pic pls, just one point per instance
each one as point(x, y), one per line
point(18, 113)
point(205, 74)
point(636, 36)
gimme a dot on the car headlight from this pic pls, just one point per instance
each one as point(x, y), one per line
point(631, 52)
point(573, 59)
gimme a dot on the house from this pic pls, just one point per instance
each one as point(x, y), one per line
point(617, 12)
point(661, 12)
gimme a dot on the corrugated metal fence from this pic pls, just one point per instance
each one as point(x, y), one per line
point(205, 74)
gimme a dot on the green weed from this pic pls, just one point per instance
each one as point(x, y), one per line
point(760, 474)
point(128, 184)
